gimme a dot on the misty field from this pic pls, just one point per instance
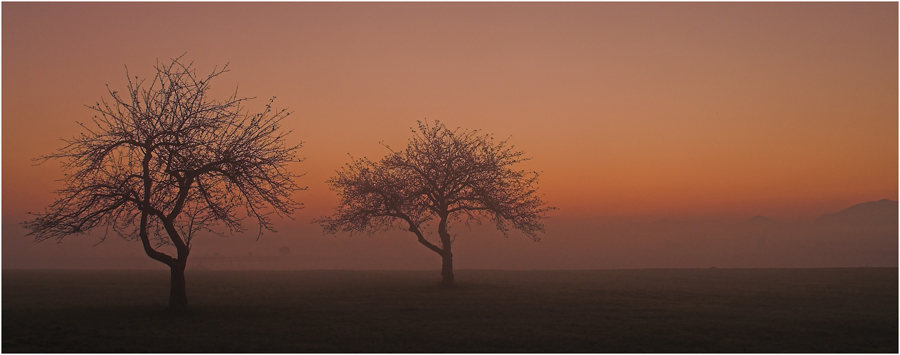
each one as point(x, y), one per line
point(675, 310)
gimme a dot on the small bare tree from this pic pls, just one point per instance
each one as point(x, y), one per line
point(443, 174)
point(163, 161)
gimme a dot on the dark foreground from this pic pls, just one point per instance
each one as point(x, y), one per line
point(687, 310)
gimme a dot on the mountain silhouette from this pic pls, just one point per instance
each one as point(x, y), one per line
point(861, 235)
point(881, 213)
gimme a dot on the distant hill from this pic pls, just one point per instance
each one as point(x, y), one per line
point(874, 213)
point(865, 234)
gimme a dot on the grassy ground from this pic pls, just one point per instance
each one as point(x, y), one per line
point(686, 310)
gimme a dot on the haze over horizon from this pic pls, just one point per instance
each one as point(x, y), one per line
point(707, 113)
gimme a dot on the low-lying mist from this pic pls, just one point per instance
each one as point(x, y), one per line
point(859, 236)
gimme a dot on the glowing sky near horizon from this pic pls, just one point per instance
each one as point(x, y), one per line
point(788, 110)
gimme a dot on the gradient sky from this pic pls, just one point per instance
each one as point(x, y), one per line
point(630, 110)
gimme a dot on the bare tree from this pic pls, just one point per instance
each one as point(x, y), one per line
point(443, 174)
point(163, 161)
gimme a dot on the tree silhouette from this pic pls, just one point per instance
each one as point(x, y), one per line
point(443, 174)
point(163, 161)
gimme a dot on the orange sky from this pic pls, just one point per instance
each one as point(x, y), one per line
point(629, 109)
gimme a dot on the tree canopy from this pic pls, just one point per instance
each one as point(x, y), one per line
point(444, 175)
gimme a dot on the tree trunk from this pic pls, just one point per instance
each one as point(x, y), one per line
point(178, 293)
point(446, 254)
point(447, 267)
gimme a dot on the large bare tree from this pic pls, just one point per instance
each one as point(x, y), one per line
point(162, 162)
point(444, 175)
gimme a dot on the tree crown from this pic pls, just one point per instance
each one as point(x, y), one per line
point(164, 149)
point(448, 174)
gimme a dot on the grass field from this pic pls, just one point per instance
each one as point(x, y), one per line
point(675, 310)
